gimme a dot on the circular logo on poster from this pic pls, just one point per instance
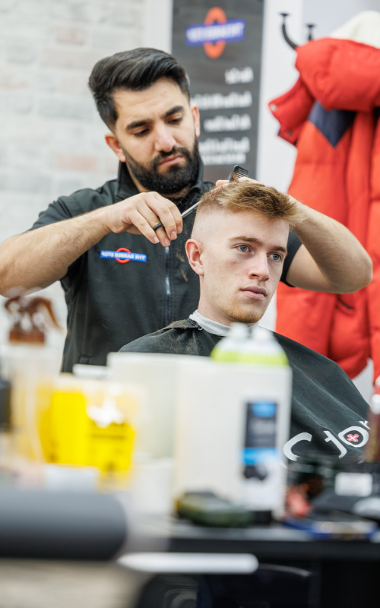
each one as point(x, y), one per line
point(215, 49)
point(122, 261)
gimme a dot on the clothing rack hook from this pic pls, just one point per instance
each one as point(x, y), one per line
point(310, 27)
point(284, 32)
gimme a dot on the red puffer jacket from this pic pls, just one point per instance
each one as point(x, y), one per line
point(331, 115)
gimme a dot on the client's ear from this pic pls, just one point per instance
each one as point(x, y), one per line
point(194, 254)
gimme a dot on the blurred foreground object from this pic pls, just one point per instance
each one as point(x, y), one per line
point(152, 473)
point(31, 367)
point(31, 318)
point(61, 525)
point(91, 423)
point(84, 429)
point(233, 420)
point(205, 424)
point(267, 421)
point(372, 448)
point(206, 509)
point(59, 550)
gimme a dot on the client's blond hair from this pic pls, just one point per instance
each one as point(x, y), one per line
point(249, 196)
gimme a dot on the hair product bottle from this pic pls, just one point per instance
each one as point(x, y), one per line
point(233, 421)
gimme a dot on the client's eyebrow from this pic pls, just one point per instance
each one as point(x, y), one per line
point(143, 123)
point(252, 239)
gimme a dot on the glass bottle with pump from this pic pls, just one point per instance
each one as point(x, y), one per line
point(33, 367)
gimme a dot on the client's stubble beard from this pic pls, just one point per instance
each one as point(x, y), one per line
point(240, 316)
point(237, 313)
point(176, 179)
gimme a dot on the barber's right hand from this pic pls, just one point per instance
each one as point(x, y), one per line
point(138, 214)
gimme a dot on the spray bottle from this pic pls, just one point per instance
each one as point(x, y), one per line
point(267, 415)
point(33, 367)
point(230, 348)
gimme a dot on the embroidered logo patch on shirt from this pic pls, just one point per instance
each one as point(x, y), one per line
point(123, 256)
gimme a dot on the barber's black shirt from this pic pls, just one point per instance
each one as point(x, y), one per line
point(328, 412)
point(111, 303)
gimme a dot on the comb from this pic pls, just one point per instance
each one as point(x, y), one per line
point(236, 173)
point(234, 176)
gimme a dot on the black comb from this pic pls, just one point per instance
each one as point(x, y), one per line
point(234, 176)
point(236, 173)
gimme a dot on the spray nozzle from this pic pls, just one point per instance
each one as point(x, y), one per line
point(260, 334)
point(238, 331)
point(31, 318)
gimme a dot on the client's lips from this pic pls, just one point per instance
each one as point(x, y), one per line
point(256, 293)
point(171, 160)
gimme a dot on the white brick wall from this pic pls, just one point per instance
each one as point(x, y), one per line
point(51, 138)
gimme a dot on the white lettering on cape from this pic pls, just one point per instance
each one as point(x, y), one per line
point(341, 448)
point(354, 436)
point(287, 449)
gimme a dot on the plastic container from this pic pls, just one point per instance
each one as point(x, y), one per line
point(158, 376)
point(262, 348)
point(31, 367)
point(234, 419)
point(32, 370)
point(230, 348)
point(151, 482)
point(91, 423)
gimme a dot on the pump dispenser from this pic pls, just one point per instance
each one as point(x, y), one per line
point(31, 317)
point(262, 349)
point(33, 367)
point(234, 420)
point(229, 349)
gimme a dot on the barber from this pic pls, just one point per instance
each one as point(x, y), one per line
point(143, 97)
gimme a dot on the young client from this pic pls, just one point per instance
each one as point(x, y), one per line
point(238, 247)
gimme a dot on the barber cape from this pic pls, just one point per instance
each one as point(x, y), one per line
point(328, 412)
point(331, 115)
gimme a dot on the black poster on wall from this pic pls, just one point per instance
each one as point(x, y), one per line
point(220, 48)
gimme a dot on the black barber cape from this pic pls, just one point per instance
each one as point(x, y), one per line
point(112, 301)
point(328, 412)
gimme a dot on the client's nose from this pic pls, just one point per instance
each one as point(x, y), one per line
point(259, 267)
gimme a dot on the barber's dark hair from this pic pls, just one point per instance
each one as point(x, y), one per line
point(135, 70)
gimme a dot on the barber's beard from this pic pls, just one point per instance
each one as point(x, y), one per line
point(176, 178)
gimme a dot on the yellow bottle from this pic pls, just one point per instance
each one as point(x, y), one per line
point(91, 423)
